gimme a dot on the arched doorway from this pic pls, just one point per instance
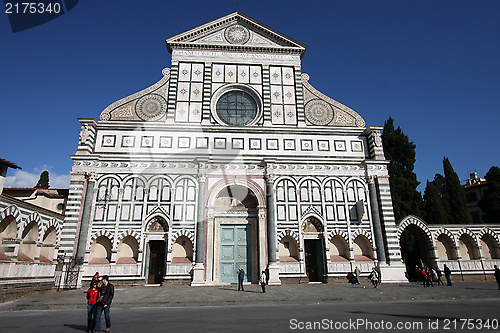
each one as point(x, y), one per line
point(236, 225)
point(313, 249)
point(416, 250)
point(156, 250)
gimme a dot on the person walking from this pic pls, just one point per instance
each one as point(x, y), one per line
point(263, 278)
point(379, 274)
point(92, 294)
point(267, 275)
point(430, 276)
point(357, 272)
point(106, 295)
point(425, 277)
point(497, 275)
point(373, 277)
point(439, 274)
point(241, 276)
point(447, 275)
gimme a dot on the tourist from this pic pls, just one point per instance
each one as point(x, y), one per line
point(241, 276)
point(104, 303)
point(373, 277)
point(96, 277)
point(497, 275)
point(263, 281)
point(357, 273)
point(92, 294)
point(429, 277)
point(425, 277)
point(267, 274)
point(447, 275)
point(439, 274)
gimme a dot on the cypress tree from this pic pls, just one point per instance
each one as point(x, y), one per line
point(435, 212)
point(490, 202)
point(454, 196)
point(403, 181)
point(43, 182)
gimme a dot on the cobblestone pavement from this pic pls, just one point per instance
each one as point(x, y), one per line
point(153, 297)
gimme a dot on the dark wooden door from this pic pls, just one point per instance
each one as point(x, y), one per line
point(314, 261)
point(156, 262)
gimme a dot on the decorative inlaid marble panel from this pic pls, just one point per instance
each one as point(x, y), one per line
point(184, 142)
point(197, 73)
point(108, 140)
point(220, 143)
point(255, 144)
point(147, 142)
point(237, 143)
point(255, 74)
point(243, 74)
point(323, 145)
point(182, 111)
point(165, 142)
point(277, 114)
point(272, 144)
point(306, 145)
point(128, 141)
point(289, 144)
point(184, 72)
point(183, 89)
point(230, 73)
point(202, 143)
point(340, 145)
point(356, 146)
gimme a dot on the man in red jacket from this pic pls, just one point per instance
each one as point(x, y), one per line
point(106, 295)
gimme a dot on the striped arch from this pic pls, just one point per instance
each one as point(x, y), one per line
point(53, 222)
point(341, 233)
point(33, 217)
point(488, 231)
point(363, 232)
point(305, 179)
point(11, 211)
point(467, 231)
point(444, 231)
point(310, 212)
point(152, 179)
point(356, 179)
point(157, 212)
point(334, 178)
point(281, 178)
point(129, 232)
point(106, 176)
point(416, 221)
point(99, 233)
point(182, 232)
point(283, 233)
point(178, 179)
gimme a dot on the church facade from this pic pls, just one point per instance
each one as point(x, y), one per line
point(232, 160)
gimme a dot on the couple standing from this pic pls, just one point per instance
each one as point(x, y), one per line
point(99, 300)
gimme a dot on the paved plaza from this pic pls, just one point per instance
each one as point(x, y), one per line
point(282, 309)
point(151, 297)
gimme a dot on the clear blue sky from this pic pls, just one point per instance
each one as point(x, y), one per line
point(434, 66)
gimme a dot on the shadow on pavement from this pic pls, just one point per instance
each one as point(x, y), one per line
point(77, 327)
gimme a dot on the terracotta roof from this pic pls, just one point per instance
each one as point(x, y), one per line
point(9, 164)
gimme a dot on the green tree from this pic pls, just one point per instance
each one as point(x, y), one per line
point(454, 196)
point(435, 212)
point(43, 182)
point(400, 151)
point(490, 202)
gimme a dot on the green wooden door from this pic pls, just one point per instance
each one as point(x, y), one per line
point(235, 252)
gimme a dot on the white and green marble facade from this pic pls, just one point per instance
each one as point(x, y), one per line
point(314, 170)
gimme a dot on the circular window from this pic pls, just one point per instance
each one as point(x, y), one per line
point(236, 108)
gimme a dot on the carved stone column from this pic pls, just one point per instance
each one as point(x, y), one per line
point(199, 268)
point(274, 269)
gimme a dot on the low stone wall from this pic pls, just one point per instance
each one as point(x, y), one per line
point(11, 292)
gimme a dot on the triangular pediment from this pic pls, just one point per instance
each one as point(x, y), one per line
point(235, 31)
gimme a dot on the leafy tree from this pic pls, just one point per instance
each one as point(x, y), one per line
point(43, 182)
point(490, 202)
point(454, 196)
point(435, 212)
point(401, 153)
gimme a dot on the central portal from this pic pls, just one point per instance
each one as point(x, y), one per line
point(235, 252)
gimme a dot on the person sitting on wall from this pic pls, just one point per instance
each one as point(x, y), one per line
point(96, 277)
